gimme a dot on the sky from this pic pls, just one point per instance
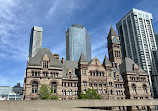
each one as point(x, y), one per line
point(17, 17)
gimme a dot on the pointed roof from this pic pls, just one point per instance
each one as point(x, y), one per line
point(106, 61)
point(127, 66)
point(82, 58)
point(36, 60)
point(112, 32)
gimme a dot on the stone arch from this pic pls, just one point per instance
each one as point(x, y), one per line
point(53, 81)
point(35, 80)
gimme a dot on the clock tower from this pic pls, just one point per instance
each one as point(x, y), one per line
point(114, 48)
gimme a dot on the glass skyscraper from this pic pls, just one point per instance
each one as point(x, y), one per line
point(35, 40)
point(138, 42)
point(77, 41)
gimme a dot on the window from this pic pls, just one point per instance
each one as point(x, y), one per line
point(96, 73)
point(102, 73)
point(56, 74)
point(45, 64)
point(84, 91)
point(75, 92)
point(145, 88)
point(70, 75)
point(134, 88)
point(70, 92)
point(38, 73)
point(54, 87)
point(64, 92)
point(111, 92)
point(91, 73)
point(84, 83)
point(35, 73)
point(90, 85)
point(100, 85)
point(35, 87)
point(32, 73)
point(95, 85)
point(114, 75)
point(45, 74)
point(75, 84)
point(110, 83)
point(83, 71)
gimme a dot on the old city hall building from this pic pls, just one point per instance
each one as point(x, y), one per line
point(113, 79)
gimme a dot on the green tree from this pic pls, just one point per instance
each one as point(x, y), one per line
point(46, 93)
point(90, 94)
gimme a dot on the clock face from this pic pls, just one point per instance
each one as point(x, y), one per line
point(115, 40)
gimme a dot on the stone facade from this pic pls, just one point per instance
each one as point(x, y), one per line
point(112, 79)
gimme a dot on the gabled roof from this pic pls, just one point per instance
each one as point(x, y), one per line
point(82, 58)
point(73, 65)
point(112, 32)
point(106, 61)
point(127, 66)
point(37, 59)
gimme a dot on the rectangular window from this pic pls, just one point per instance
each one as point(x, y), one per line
point(83, 71)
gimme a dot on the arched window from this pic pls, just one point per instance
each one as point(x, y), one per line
point(35, 87)
point(63, 92)
point(111, 92)
point(54, 87)
point(145, 88)
point(70, 75)
point(134, 88)
point(84, 91)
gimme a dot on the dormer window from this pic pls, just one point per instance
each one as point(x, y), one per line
point(45, 64)
point(70, 75)
point(45, 61)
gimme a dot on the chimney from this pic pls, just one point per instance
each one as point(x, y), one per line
point(62, 61)
point(56, 56)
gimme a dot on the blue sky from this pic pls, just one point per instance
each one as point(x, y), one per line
point(17, 17)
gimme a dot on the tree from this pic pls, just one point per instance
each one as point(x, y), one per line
point(45, 93)
point(90, 94)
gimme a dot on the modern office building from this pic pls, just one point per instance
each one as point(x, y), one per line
point(156, 38)
point(35, 40)
point(11, 93)
point(77, 41)
point(138, 43)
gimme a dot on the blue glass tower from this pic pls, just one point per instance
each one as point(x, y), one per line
point(77, 41)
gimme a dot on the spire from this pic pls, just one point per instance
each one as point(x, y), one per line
point(106, 61)
point(82, 58)
point(112, 32)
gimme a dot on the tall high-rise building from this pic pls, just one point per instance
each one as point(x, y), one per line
point(35, 40)
point(77, 41)
point(156, 38)
point(138, 42)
